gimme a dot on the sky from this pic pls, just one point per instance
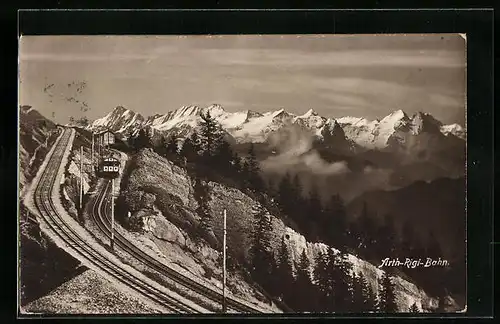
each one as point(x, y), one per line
point(336, 75)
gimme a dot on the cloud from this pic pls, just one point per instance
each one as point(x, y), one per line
point(297, 155)
point(273, 57)
point(79, 57)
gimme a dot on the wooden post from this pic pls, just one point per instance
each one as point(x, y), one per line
point(112, 212)
point(92, 158)
point(224, 305)
point(81, 176)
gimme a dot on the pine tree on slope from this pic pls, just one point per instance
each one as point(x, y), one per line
point(284, 273)
point(285, 194)
point(208, 135)
point(253, 170)
point(313, 215)
point(171, 147)
point(303, 286)
point(363, 298)
point(414, 308)
point(260, 251)
point(369, 296)
point(203, 210)
point(340, 281)
point(387, 297)
point(321, 282)
point(161, 147)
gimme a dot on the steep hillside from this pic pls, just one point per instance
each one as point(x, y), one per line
point(437, 207)
point(36, 135)
point(157, 183)
point(43, 266)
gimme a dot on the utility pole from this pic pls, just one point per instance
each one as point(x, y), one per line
point(92, 158)
point(81, 176)
point(112, 212)
point(224, 305)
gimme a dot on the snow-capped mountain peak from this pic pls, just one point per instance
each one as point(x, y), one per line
point(252, 126)
point(309, 113)
point(280, 113)
point(394, 128)
point(395, 119)
point(215, 108)
point(119, 120)
point(453, 129)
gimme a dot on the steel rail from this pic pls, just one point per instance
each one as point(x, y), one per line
point(48, 211)
point(148, 260)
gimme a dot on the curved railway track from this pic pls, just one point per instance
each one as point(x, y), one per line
point(103, 220)
point(48, 212)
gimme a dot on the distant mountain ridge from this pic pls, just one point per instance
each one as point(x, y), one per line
point(250, 126)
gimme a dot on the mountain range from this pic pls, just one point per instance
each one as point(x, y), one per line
point(395, 131)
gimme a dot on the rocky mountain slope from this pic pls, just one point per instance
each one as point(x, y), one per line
point(36, 134)
point(156, 182)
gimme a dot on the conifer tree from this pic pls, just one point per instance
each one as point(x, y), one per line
point(143, 140)
point(441, 304)
point(195, 139)
point(284, 272)
point(336, 222)
point(260, 251)
point(253, 170)
point(303, 285)
point(299, 205)
point(313, 214)
point(285, 194)
point(369, 296)
point(203, 210)
point(171, 147)
point(236, 162)
point(225, 160)
point(407, 240)
point(387, 297)
point(363, 297)
point(208, 135)
point(340, 279)
point(414, 308)
point(358, 301)
point(131, 141)
point(386, 238)
point(190, 147)
point(321, 281)
point(161, 147)
point(367, 227)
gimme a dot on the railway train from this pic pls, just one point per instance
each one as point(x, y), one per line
point(108, 167)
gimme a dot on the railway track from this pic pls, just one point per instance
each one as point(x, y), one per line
point(49, 214)
point(103, 220)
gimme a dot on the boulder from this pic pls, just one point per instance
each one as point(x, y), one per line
point(167, 231)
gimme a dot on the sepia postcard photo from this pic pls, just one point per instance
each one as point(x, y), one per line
point(242, 174)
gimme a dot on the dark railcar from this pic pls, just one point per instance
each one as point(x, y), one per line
point(108, 167)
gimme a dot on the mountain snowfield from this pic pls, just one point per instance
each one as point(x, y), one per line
point(250, 126)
